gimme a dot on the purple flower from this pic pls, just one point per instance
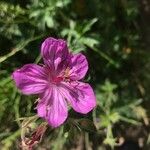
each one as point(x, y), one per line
point(57, 82)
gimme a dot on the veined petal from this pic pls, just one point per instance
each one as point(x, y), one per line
point(53, 108)
point(30, 79)
point(79, 95)
point(54, 52)
point(78, 66)
point(44, 102)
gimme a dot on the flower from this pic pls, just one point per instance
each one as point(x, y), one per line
point(57, 82)
point(34, 138)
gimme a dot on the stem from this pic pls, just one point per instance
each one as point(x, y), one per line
point(87, 145)
point(105, 56)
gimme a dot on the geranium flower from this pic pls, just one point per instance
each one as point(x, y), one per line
point(57, 82)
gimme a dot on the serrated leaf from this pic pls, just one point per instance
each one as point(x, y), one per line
point(114, 117)
point(89, 25)
point(104, 121)
point(90, 42)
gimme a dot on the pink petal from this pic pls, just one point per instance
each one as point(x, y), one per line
point(79, 95)
point(53, 108)
point(79, 66)
point(45, 100)
point(30, 79)
point(54, 52)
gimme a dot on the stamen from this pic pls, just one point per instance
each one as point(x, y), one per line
point(66, 75)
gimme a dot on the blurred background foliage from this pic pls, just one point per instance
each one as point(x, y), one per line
point(115, 37)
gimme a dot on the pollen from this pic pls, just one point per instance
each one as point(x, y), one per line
point(66, 75)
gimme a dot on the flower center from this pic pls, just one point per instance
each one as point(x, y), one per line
point(64, 77)
point(57, 80)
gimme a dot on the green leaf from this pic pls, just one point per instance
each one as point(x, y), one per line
point(88, 25)
point(108, 86)
point(90, 42)
point(104, 121)
point(114, 117)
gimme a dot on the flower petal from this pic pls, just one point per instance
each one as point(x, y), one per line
point(54, 52)
point(45, 100)
point(30, 79)
point(53, 108)
point(79, 66)
point(80, 95)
